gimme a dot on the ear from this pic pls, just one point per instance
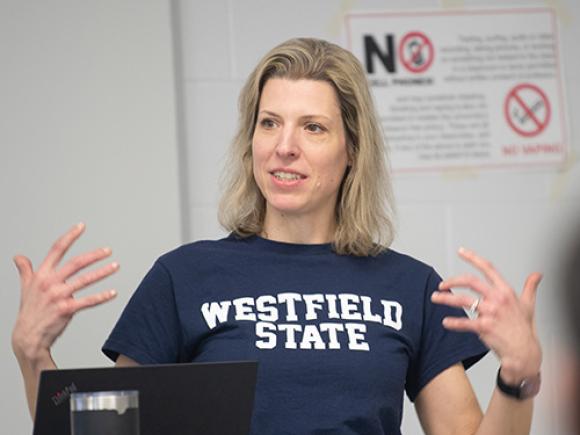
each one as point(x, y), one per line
point(349, 155)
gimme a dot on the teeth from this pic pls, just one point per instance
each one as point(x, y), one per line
point(286, 176)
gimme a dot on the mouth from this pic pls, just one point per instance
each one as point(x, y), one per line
point(287, 175)
point(287, 179)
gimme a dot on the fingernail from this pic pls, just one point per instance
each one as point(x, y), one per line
point(115, 265)
point(113, 293)
point(462, 250)
point(107, 251)
point(80, 225)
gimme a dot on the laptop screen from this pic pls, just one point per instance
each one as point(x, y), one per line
point(177, 399)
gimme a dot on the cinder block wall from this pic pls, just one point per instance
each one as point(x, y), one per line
point(87, 133)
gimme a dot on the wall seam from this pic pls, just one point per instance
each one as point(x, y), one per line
point(180, 120)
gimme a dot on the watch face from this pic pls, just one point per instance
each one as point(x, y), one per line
point(530, 387)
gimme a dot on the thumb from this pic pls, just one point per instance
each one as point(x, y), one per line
point(529, 293)
point(24, 267)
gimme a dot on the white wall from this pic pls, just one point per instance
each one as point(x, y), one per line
point(87, 132)
point(515, 217)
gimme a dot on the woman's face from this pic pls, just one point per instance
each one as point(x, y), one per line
point(299, 147)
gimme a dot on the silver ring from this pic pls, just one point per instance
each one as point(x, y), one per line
point(474, 306)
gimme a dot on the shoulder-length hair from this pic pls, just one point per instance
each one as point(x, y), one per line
point(364, 208)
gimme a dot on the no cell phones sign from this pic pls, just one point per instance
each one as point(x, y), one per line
point(416, 52)
point(471, 88)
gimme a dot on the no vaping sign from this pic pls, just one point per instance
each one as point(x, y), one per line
point(527, 109)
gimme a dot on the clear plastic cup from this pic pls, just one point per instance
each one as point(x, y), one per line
point(105, 412)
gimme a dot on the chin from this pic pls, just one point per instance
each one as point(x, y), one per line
point(286, 203)
point(286, 207)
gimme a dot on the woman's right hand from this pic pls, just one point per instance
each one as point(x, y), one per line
point(47, 302)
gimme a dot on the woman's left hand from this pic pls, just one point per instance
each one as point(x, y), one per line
point(504, 321)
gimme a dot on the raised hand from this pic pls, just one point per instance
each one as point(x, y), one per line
point(48, 302)
point(504, 320)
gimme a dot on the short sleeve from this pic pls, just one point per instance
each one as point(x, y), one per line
point(440, 348)
point(148, 330)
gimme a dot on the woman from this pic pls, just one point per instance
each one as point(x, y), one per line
point(305, 283)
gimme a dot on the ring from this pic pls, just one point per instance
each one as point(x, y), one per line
point(474, 306)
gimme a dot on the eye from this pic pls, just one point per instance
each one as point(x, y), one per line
point(267, 123)
point(315, 128)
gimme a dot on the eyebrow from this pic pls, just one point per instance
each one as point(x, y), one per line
point(304, 117)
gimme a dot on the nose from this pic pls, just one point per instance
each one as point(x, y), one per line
point(288, 145)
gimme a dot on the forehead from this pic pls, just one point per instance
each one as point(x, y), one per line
point(303, 95)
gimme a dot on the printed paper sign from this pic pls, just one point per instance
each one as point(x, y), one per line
point(465, 88)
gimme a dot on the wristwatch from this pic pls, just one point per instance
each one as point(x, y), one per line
point(526, 389)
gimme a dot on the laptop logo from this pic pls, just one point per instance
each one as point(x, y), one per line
point(62, 396)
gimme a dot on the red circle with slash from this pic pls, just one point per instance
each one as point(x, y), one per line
point(527, 110)
point(416, 52)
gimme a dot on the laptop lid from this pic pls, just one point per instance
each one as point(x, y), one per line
point(176, 399)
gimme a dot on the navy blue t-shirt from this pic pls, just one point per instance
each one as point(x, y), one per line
point(339, 339)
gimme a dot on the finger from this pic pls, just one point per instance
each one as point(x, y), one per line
point(81, 261)
point(24, 266)
point(484, 266)
point(466, 281)
point(91, 278)
point(461, 324)
point(529, 293)
point(93, 300)
point(61, 246)
point(452, 299)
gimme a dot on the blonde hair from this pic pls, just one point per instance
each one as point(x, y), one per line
point(364, 209)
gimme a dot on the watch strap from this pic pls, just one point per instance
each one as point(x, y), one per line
point(529, 387)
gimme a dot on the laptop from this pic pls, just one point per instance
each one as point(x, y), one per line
point(176, 399)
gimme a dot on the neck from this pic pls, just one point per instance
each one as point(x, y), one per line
point(301, 229)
